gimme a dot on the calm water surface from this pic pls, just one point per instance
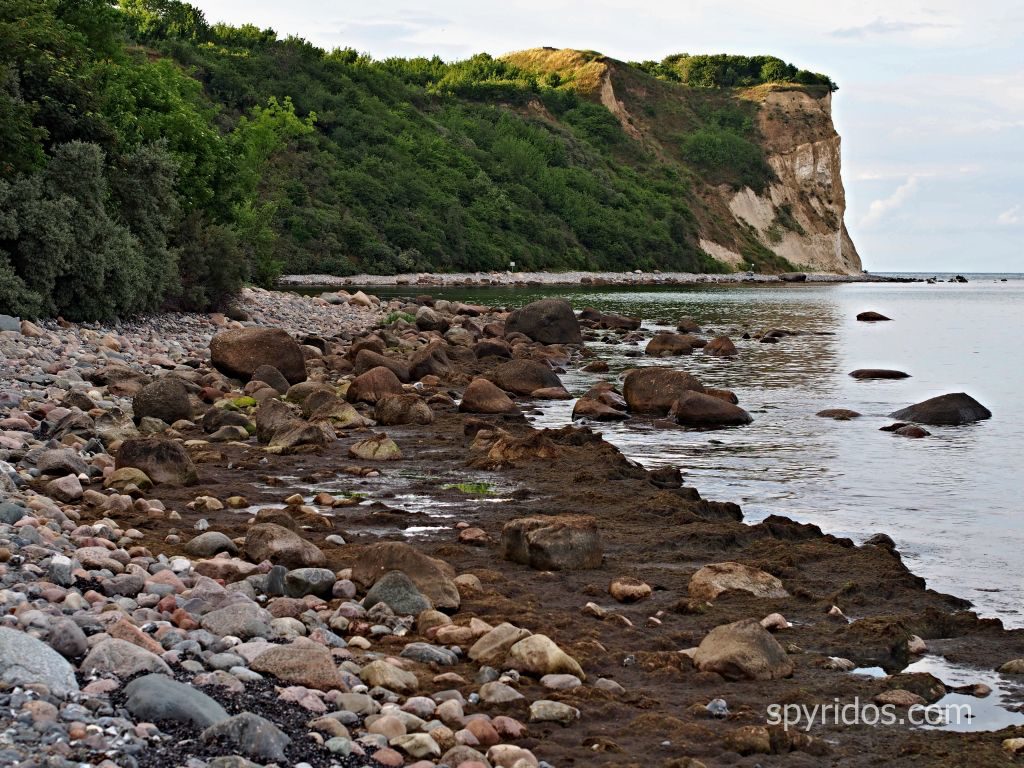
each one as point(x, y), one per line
point(952, 502)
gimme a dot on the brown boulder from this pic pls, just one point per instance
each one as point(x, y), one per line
point(296, 433)
point(434, 578)
point(164, 461)
point(482, 396)
point(165, 399)
point(595, 410)
point(696, 409)
point(655, 389)
point(281, 546)
point(270, 417)
point(240, 352)
point(555, 543)
point(402, 409)
point(431, 360)
point(721, 346)
point(743, 650)
point(367, 360)
point(373, 385)
point(522, 377)
point(714, 579)
point(491, 348)
point(670, 344)
point(839, 414)
point(305, 663)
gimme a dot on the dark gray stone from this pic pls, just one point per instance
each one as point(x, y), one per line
point(252, 735)
point(397, 591)
point(157, 698)
point(309, 581)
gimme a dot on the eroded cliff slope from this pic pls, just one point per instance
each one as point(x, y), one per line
point(760, 167)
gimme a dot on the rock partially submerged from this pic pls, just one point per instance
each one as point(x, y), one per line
point(654, 389)
point(549, 321)
point(696, 409)
point(945, 410)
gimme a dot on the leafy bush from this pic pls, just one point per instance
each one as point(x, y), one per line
point(728, 71)
point(715, 150)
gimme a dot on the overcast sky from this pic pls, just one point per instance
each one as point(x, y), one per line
point(930, 106)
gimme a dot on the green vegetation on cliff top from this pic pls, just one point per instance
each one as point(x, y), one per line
point(150, 159)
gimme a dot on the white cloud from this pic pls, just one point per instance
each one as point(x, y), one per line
point(1011, 216)
point(885, 205)
point(882, 26)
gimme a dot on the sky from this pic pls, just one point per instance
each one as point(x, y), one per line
point(930, 106)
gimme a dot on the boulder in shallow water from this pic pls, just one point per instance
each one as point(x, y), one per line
point(945, 410)
point(878, 373)
point(654, 389)
point(670, 344)
point(839, 414)
point(696, 409)
point(549, 321)
point(521, 377)
point(872, 317)
point(721, 346)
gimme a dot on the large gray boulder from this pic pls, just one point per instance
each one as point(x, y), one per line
point(549, 321)
point(158, 698)
point(945, 410)
point(24, 660)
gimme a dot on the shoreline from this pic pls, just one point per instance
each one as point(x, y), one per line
point(455, 279)
point(656, 531)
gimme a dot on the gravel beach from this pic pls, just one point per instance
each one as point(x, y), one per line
point(322, 532)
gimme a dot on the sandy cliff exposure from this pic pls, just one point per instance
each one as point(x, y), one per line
point(794, 220)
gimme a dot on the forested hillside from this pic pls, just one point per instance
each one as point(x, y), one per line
point(151, 159)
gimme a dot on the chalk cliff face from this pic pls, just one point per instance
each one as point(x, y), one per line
point(794, 217)
point(800, 215)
